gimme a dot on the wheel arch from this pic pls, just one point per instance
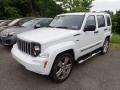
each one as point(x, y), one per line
point(70, 51)
point(108, 37)
point(56, 50)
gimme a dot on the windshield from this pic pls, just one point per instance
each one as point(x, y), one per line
point(5, 23)
point(29, 23)
point(13, 22)
point(68, 21)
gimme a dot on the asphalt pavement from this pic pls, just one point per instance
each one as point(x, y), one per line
point(99, 73)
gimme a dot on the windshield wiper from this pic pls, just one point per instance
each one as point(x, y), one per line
point(51, 26)
point(63, 27)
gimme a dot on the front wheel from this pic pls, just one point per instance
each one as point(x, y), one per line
point(62, 67)
point(105, 47)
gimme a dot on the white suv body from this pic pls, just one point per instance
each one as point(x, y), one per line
point(53, 41)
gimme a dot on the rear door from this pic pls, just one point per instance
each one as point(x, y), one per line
point(100, 31)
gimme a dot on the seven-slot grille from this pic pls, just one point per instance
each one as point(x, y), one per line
point(24, 46)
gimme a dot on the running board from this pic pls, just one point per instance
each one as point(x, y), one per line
point(88, 57)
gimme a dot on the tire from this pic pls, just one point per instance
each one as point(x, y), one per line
point(105, 47)
point(62, 67)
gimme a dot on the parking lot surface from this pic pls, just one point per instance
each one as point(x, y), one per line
point(98, 73)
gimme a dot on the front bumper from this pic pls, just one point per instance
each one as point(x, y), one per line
point(7, 40)
point(34, 64)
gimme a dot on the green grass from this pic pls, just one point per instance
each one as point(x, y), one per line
point(115, 46)
point(115, 41)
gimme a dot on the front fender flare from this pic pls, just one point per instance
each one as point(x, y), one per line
point(53, 51)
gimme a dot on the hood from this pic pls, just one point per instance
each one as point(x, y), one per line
point(16, 30)
point(3, 28)
point(44, 35)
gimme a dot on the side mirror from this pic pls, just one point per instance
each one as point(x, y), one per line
point(37, 26)
point(90, 28)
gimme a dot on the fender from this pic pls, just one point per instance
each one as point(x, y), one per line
point(53, 51)
point(106, 35)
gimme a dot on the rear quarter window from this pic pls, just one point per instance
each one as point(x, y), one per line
point(101, 21)
point(108, 20)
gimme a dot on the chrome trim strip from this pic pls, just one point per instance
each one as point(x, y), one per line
point(91, 46)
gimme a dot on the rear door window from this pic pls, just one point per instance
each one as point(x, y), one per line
point(101, 21)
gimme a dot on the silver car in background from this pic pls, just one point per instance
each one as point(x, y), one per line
point(8, 36)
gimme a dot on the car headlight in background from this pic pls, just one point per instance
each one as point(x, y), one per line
point(11, 34)
point(6, 34)
point(36, 49)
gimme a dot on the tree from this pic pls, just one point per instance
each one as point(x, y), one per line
point(53, 9)
point(76, 5)
point(109, 12)
point(50, 8)
point(11, 12)
point(116, 22)
point(23, 8)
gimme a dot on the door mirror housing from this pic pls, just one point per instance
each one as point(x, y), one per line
point(90, 28)
point(37, 26)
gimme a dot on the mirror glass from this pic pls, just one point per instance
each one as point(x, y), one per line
point(37, 26)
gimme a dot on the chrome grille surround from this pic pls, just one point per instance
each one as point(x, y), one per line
point(24, 46)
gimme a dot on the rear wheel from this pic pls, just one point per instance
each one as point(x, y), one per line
point(62, 67)
point(105, 47)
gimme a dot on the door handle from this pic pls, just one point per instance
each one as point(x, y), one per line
point(105, 29)
point(96, 32)
point(77, 34)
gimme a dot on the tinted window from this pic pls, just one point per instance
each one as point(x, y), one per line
point(29, 23)
point(13, 22)
point(90, 21)
point(44, 23)
point(101, 21)
point(5, 23)
point(108, 20)
point(22, 21)
point(68, 22)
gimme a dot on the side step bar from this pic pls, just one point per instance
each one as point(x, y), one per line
point(86, 57)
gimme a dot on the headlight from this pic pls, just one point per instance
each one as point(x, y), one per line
point(36, 49)
point(11, 34)
point(6, 34)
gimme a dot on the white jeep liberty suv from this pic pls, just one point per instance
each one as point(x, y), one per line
point(70, 37)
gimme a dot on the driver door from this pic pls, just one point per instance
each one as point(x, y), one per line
point(87, 39)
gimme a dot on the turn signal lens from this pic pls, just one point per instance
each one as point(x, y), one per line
point(45, 64)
